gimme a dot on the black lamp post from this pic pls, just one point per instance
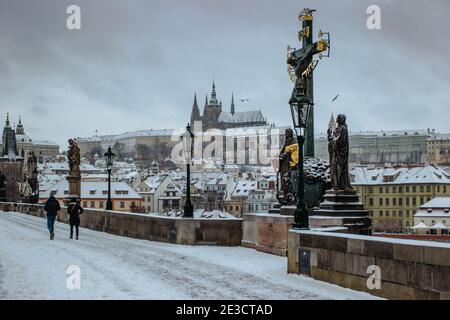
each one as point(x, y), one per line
point(188, 140)
point(300, 109)
point(109, 156)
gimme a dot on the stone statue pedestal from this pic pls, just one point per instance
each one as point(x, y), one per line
point(342, 210)
point(283, 210)
point(74, 187)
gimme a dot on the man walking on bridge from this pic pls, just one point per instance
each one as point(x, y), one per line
point(52, 207)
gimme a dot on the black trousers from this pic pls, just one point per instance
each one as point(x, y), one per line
point(76, 229)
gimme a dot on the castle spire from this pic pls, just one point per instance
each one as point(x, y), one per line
point(213, 95)
point(195, 114)
point(19, 128)
point(195, 100)
point(232, 104)
point(8, 125)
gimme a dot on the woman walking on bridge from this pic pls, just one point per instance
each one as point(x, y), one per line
point(51, 207)
point(74, 210)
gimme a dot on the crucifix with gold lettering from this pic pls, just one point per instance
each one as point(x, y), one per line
point(301, 65)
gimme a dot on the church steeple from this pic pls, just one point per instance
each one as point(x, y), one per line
point(232, 104)
point(195, 114)
point(7, 125)
point(213, 95)
point(19, 128)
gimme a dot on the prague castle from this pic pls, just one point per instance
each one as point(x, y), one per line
point(215, 117)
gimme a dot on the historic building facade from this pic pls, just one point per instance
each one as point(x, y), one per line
point(438, 149)
point(404, 147)
point(393, 195)
point(44, 150)
point(214, 117)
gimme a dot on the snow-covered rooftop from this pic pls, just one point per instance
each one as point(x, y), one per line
point(415, 175)
point(92, 190)
point(241, 117)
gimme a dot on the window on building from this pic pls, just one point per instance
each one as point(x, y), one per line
point(400, 213)
point(400, 201)
point(387, 201)
point(422, 201)
point(381, 189)
point(394, 189)
point(421, 189)
point(428, 188)
point(85, 204)
point(407, 213)
point(381, 213)
point(122, 204)
point(101, 204)
point(414, 189)
point(414, 201)
point(407, 189)
point(387, 213)
point(438, 189)
point(394, 201)
point(400, 189)
point(387, 190)
point(92, 204)
point(381, 202)
point(445, 189)
point(370, 190)
point(370, 202)
point(407, 201)
point(394, 213)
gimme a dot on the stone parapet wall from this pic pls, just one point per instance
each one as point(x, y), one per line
point(409, 269)
point(187, 231)
point(266, 232)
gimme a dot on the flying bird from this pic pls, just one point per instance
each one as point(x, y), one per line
point(335, 98)
point(244, 100)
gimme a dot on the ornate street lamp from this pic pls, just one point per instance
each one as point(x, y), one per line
point(188, 140)
point(300, 109)
point(109, 157)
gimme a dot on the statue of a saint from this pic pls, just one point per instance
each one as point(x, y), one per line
point(32, 173)
point(25, 189)
point(288, 168)
point(338, 147)
point(74, 157)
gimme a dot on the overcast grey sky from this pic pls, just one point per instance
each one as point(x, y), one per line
point(136, 64)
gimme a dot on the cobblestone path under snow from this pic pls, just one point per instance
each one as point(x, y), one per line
point(112, 267)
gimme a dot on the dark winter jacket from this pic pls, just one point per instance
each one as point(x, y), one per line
point(74, 210)
point(52, 207)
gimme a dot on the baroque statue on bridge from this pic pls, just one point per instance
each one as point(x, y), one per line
point(338, 147)
point(74, 158)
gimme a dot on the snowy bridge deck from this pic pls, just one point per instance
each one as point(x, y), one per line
point(112, 267)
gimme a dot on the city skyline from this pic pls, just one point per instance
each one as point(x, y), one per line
point(137, 66)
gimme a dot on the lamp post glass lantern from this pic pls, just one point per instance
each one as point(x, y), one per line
point(300, 113)
point(109, 158)
point(188, 140)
